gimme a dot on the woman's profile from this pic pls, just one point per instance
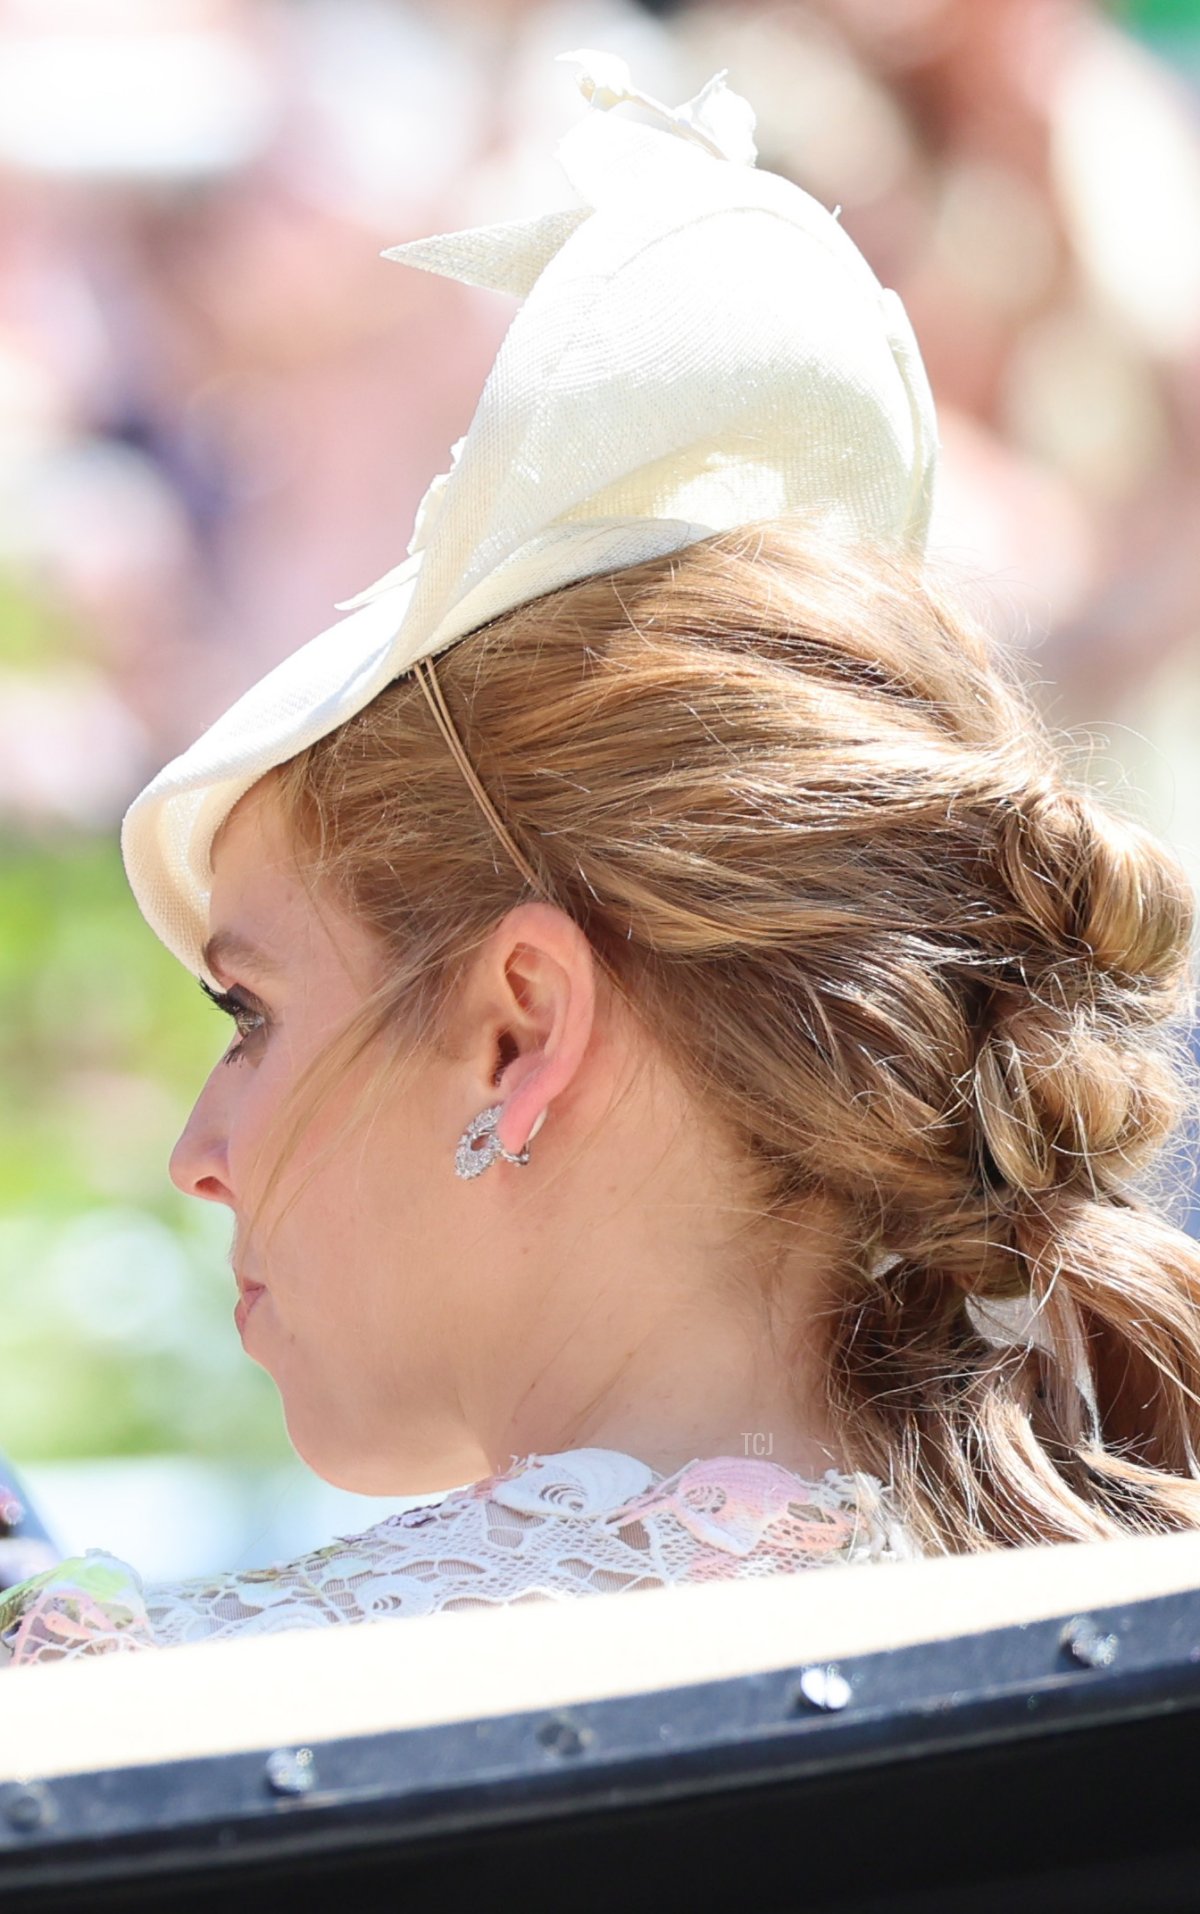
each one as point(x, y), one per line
point(696, 1055)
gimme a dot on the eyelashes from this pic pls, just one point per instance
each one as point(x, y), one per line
point(249, 1020)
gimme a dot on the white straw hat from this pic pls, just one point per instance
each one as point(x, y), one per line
point(699, 346)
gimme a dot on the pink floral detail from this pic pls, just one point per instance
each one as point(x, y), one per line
point(730, 1503)
point(70, 1618)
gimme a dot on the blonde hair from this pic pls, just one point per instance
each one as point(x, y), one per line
point(825, 844)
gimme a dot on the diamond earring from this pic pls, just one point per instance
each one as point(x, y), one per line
point(479, 1145)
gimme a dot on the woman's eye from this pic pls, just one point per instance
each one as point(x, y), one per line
point(248, 1018)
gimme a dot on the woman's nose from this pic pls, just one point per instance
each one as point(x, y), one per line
point(199, 1163)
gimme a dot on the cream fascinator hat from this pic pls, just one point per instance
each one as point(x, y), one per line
point(699, 345)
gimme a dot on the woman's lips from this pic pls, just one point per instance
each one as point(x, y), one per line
point(246, 1301)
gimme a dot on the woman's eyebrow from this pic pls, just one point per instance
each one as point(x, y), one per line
point(228, 949)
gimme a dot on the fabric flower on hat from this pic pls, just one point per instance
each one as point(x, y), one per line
point(721, 120)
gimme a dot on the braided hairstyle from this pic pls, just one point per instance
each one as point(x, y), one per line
point(820, 838)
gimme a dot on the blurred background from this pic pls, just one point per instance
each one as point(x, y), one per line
point(219, 408)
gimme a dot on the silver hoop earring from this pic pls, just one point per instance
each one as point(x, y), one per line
point(472, 1156)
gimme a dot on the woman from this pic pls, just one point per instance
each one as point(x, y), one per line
point(693, 1051)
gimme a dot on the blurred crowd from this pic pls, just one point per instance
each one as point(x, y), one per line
point(218, 407)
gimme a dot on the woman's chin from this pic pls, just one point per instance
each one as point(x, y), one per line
point(356, 1473)
point(312, 1439)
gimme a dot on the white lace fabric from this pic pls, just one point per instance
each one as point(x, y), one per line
point(551, 1527)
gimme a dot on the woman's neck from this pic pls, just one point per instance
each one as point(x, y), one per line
point(692, 1367)
point(654, 1309)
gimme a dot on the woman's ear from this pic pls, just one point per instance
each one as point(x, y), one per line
point(537, 986)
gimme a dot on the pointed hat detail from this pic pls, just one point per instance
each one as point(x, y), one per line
point(699, 346)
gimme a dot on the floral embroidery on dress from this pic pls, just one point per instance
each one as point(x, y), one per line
point(580, 1482)
point(549, 1527)
point(92, 1600)
point(732, 1501)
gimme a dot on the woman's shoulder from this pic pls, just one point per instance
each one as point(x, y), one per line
point(727, 1502)
point(737, 1506)
point(554, 1526)
point(551, 1526)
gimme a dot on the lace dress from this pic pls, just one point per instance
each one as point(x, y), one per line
point(585, 1521)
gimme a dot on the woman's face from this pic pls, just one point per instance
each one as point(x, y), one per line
point(355, 1283)
point(422, 1328)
